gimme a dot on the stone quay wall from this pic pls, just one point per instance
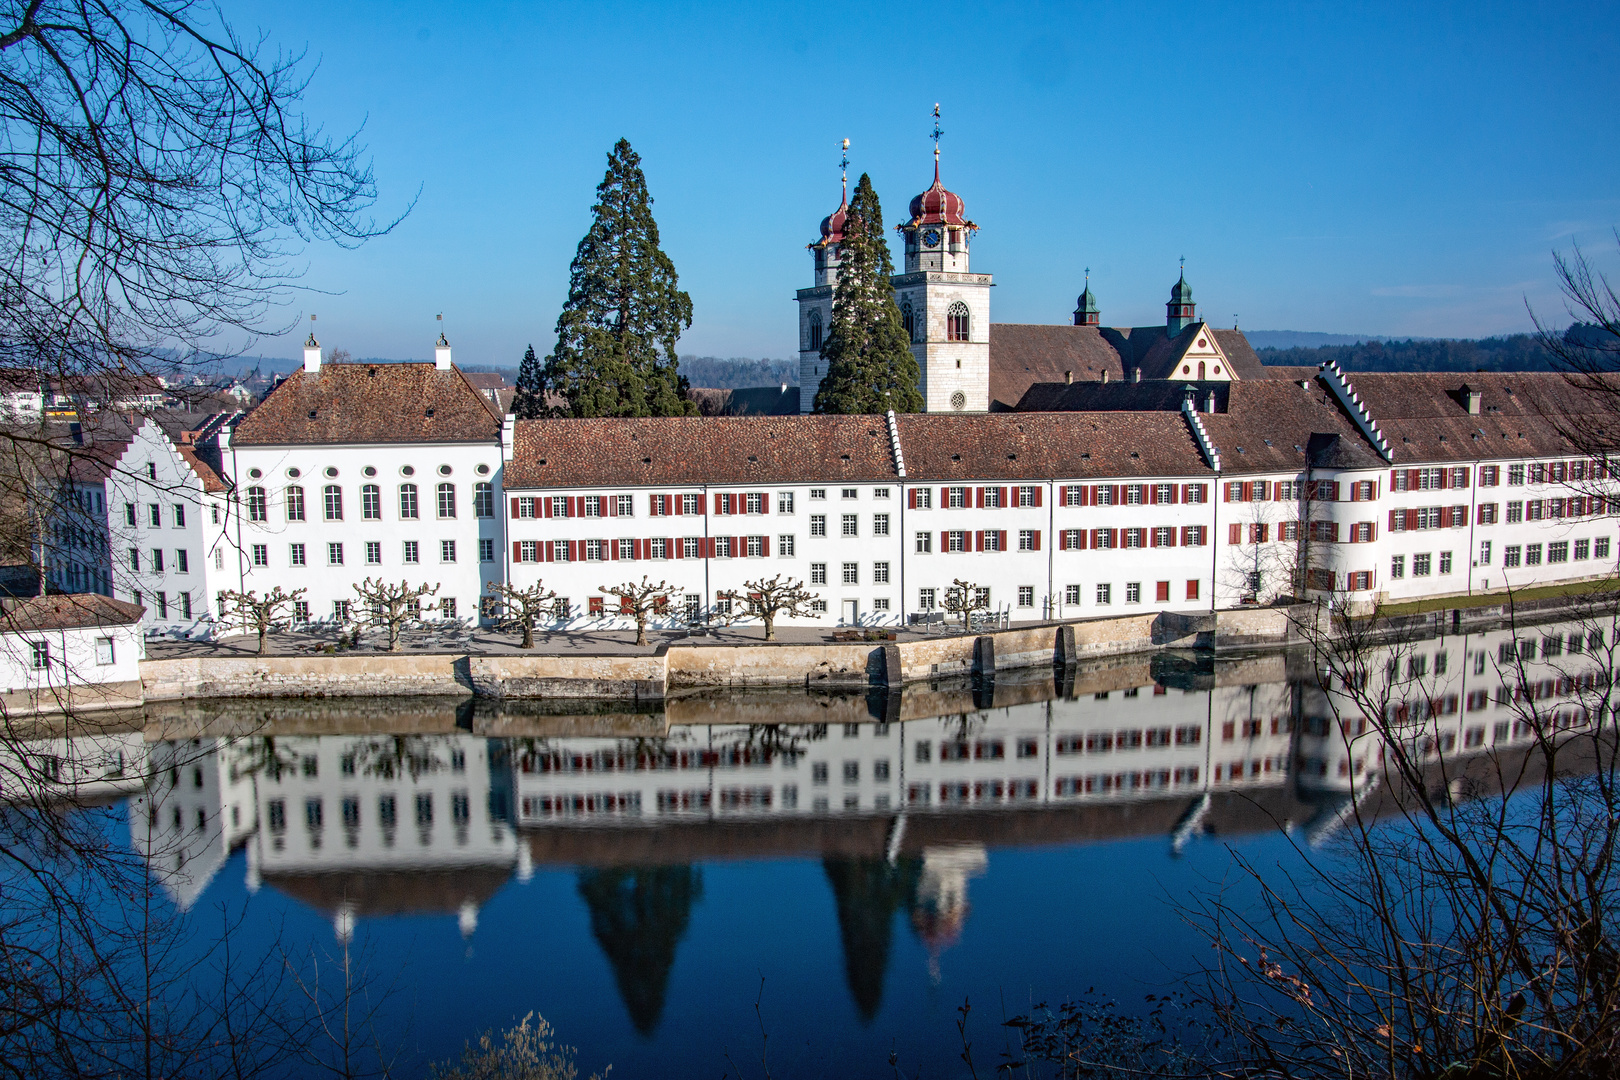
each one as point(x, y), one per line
point(673, 669)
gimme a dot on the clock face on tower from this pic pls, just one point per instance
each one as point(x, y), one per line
point(931, 238)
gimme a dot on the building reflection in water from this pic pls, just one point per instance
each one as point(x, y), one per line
point(901, 797)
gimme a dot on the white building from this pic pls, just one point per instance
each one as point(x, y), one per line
point(80, 650)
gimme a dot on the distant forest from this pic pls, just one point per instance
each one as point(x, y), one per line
point(1516, 352)
point(737, 372)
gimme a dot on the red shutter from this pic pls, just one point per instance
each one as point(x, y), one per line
point(944, 542)
point(677, 552)
point(1226, 492)
point(944, 498)
point(1001, 537)
point(1083, 538)
point(545, 507)
point(1234, 533)
point(911, 498)
point(1392, 475)
point(765, 545)
point(978, 538)
point(1001, 499)
point(765, 503)
point(1085, 496)
point(717, 503)
point(1355, 492)
point(978, 496)
point(612, 505)
point(548, 550)
point(1096, 535)
point(1412, 479)
point(1411, 520)
point(1037, 495)
point(514, 508)
point(1113, 538)
point(1037, 536)
point(1372, 530)
point(517, 549)
point(1445, 517)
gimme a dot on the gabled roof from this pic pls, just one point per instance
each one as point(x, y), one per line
point(69, 611)
point(1153, 395)
point(1022, 354)
point(686, 451)
point(1522, 414)
point(348, 404)
point(1269, 425)
point(1024, 446)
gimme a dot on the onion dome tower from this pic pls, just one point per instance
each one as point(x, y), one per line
point(1085, 308)
point(944, 307)
point(1179, 311)
point(815, 303)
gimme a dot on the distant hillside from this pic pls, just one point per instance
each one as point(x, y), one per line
point(1517, 352)
point(737, 372)
point(1308, 339)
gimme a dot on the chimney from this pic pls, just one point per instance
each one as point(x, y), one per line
point(1068, 378)
point(1472, 396)
point(1136, 374)
point(441, 354)
point(1105, 375)
point(508, 436)
point(1209, 402)
point(312, 355)
point(224, 437)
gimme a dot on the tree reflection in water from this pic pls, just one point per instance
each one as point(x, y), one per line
point(639, 916)
point(868, 892)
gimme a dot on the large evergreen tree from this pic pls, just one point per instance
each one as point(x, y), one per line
point(530, 401)
point(870, 368)
point(615, 353)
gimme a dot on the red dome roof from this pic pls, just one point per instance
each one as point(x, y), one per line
point(936, 206)
point(832, 226)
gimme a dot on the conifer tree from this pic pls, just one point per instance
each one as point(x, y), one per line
point(615, 352)
point(530, 400)
point(870, 368)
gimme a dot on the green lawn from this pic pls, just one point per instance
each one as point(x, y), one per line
point(1439, 603)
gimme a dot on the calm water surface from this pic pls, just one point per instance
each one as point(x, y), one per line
point(870, 861)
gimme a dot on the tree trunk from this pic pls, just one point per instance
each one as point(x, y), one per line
point(641, 628)
point(528, 633)
point(264, 641)
point(770, 623)
point(393, 635)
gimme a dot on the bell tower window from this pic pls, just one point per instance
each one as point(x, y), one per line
point(908, 319)
point(815, 330)
point(956, 322)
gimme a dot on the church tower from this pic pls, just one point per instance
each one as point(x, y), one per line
point(943, 306)
point(815, 303)
point(1178, 313)
point(1085, 308)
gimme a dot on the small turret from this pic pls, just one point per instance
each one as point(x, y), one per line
point(1179, 311)
point(1085, 309)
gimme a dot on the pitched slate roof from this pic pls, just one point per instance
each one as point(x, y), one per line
point(690, 450)
point(67, 612)
point(1522, 414)
point(1268, 426)
point(371, 403)
point(1023, 446)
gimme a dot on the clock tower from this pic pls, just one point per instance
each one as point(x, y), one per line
point(943, 305)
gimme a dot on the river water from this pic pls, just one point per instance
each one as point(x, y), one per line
point(858, 866)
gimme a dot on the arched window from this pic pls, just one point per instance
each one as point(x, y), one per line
point(407, 502)
point(483, 500)
point(956, 322)
point(370, 502)
point(258, 508)
point(908, 319)
point(815, 330)
point(333, 497)
point(295, 504)
point(447, 500)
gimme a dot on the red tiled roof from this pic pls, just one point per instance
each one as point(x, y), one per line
point(1023, 354)
point(689, 450)
point(66, 612)
point(1522, 414)
point(1268, 424)
point(371, 403)
point(1023, 446)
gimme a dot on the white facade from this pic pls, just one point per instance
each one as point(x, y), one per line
point(168, 535)
point(81, 647)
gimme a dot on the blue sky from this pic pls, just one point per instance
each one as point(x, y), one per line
point(1389, 169)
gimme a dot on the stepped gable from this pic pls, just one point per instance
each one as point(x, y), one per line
point(1035, 446)
point(1022, 354)
point(371, 403)
point(669, 451)
point(1522, 414)
point(1156, 395)
point(1268, 426)
point(68, 611)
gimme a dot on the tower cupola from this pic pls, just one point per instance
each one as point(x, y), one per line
point(825, 249)
point(938, 232)
point(1085, 308)
point(1179, 311)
